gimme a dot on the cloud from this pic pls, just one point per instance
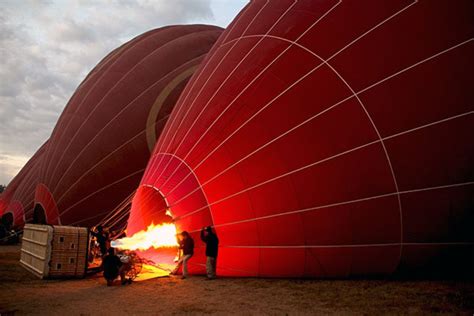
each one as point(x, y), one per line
point(48, 47)
point(11, 164)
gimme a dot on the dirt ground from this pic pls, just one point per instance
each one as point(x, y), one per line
point(21, 294)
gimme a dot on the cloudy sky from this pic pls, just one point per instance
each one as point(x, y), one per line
point(48, 46)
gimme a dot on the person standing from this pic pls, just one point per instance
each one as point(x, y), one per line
point(186, 244)
point(102, 239)
point(212, 244)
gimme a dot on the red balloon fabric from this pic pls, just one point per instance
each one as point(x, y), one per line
point(324, 139)
point(99, 148)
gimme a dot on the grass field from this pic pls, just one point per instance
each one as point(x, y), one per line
point(23, 294)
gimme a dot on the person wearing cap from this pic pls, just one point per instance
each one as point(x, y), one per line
point(212, 244)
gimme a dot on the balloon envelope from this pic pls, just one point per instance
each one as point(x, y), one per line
point(324, 139)
point(18, 198)
point(101, 143)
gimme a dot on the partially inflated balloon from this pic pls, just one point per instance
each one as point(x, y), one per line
point(324, 139)
point(18, 198)
point(99, 148)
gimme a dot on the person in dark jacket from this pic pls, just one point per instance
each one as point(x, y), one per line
point(186, 244)
point(113, 267)
point(212, 243)
point(102, 238)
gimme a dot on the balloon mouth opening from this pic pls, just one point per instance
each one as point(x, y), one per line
point(154, 237)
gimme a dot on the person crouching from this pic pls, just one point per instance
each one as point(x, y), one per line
point(113, 267)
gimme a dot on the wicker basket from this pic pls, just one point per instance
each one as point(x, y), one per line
point(55, 251)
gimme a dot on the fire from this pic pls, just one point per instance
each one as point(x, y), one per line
point(156, 236)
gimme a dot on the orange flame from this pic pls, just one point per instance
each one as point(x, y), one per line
point(156, 236)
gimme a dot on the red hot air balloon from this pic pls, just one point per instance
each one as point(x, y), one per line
point(100, 146)
point(324, 139)
point(19, 196)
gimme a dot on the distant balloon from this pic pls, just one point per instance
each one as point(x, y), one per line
point(18, 198)
point(324, 139)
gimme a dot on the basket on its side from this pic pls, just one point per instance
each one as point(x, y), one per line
point(55, 251)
